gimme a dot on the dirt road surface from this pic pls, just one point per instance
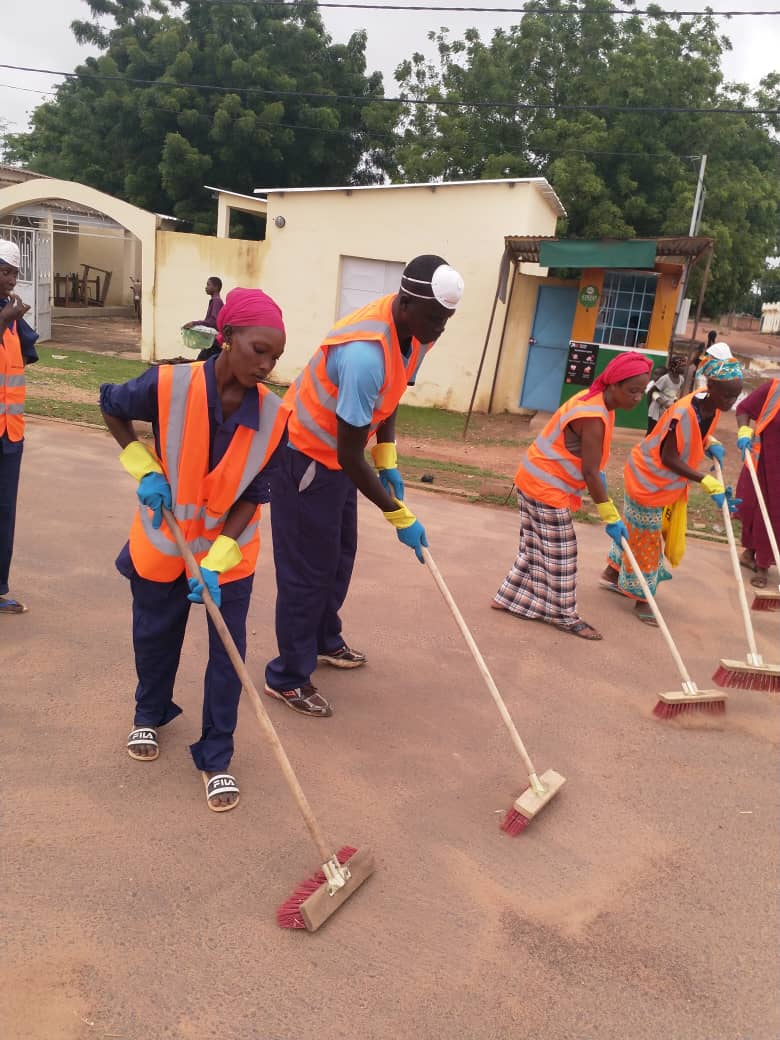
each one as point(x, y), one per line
point(640, 905)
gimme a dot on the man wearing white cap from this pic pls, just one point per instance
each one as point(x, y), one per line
point(348, 392)
point(17, 349)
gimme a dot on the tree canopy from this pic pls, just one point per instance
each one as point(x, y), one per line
point(155, 143)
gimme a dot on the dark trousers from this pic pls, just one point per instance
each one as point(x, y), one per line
point(160, 612)
point(315, 541)
point(10, 467)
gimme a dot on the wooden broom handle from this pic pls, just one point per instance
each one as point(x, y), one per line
point(483, 668)
point(325, 851)
point(743, 603)
point(656, 613)
point(762, 506)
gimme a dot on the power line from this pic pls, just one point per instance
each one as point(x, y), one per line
point(514, 106)
point(292, 5)
point(27, 90)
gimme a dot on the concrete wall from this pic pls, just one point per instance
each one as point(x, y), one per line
point(466, 224)
point(184, 262)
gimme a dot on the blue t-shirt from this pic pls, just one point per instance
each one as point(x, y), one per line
point(358, 370)
point(28, 337)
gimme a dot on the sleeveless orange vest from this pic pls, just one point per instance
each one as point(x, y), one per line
point(202, 499)
point(769, 411)
point(549, 472)
point(647, 480)
point(312, 397)
point(12, 386)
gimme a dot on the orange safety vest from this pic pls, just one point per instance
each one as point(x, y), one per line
point(549, 472)
point(202, 499)
point(646, 479)
point(312, 397)
point(769, 411)
point(12, 386)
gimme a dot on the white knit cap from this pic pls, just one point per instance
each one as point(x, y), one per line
point(9, 253)
point(721, 351)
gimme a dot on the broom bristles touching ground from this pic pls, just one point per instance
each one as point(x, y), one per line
point(746, 678)
point(766, 603)
point(662, 710)
point(289, 913)
point(514, 823)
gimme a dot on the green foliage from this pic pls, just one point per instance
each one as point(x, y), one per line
point(155, 144)
point(620, 174)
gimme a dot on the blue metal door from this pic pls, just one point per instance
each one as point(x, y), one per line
point(548, 347)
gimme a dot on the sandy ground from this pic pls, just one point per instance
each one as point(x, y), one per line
point(641, 904)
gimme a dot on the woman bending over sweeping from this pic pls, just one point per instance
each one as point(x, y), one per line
point(216, 433)
point(656, 478)
point(568, 456)
point(763, 408)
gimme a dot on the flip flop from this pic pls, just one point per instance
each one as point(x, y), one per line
point(647, 618)
point(610, 586)
point(11, 606)
point(760, 581)
point(581, 629)
point(143, 735)
point(747, 565)
point(221, 783)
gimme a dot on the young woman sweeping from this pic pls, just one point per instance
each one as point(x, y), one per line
point(762, 407)
point(216, 432)
point(657, 475)
point(568, 456)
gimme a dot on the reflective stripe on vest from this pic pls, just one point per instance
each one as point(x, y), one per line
point(770, 409)
point(183, 414)
point(313, 398)
point(647, 479)
point(12, 386)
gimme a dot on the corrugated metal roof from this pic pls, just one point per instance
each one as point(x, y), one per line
point(525, 248)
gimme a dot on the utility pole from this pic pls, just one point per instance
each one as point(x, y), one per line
point(698, 206)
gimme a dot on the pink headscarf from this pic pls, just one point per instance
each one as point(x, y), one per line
point(621, 367)
point(244, 307)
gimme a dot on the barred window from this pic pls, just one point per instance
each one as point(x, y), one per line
point(626, 308)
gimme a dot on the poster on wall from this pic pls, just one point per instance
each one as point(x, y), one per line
point(581, 363)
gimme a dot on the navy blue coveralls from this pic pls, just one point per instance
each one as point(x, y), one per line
point(161, 609)
point(11, 463)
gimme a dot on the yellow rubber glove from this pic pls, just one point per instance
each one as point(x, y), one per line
point(745, 431)
point(138, 460)
point(385, 455)
point(608, 511)
point(408, 528)
point(712, 486)
point(224, 554)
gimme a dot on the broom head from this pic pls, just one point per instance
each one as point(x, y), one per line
point(311, 904)
point(739, 675)
point(530, 803)
point(765, 600)
point(678, 703)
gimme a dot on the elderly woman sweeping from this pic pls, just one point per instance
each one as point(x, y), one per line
point(657, 475)
point(762, 407)
point(216, 435)
point(568, 456)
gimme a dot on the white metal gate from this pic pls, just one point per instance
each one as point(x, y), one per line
point(34, 283)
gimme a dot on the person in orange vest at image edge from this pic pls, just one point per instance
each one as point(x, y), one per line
point(568, 456)
point(348, 392)
point(17, 350)
point(218, 434)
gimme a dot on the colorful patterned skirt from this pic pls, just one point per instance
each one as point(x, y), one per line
point(542, 583)
point(644, 537)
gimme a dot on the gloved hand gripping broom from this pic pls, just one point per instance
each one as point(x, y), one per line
point(543, 788)
point(764, 599)
point(341, 873)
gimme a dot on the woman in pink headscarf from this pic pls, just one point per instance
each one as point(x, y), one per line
point(217, 432)
point(568, 457)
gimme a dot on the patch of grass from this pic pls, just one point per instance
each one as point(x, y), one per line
point(83, 370)
point(71, 410)
point(414, 462)
point(429, 422)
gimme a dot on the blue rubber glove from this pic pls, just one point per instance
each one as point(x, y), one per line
point(154, 492)
point(392, 481)
point(211, 581)
point(414, 537)
point(617, 531)
point(734, 503)
point(717, 452)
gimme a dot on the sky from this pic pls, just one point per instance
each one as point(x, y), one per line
point(392, 37)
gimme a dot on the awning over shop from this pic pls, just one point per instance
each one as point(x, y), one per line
point(637, 253)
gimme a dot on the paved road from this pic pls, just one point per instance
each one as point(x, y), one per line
point(641, 905)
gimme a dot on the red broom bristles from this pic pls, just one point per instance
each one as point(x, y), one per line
point(662, 710)
point(747, 680)
point(765, 603)
point(288, 915)
point(514, 823)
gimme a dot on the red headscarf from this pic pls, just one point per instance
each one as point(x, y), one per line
point(621, 367)
point(244, 307)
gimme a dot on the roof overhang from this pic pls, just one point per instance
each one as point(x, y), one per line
point(525, 248)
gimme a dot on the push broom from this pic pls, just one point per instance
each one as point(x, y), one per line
point(689, 697)
point(542, 789)
point(342, 872)
point(763, 599)
point(751, 674)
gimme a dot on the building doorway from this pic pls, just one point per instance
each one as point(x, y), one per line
point(548, 347)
